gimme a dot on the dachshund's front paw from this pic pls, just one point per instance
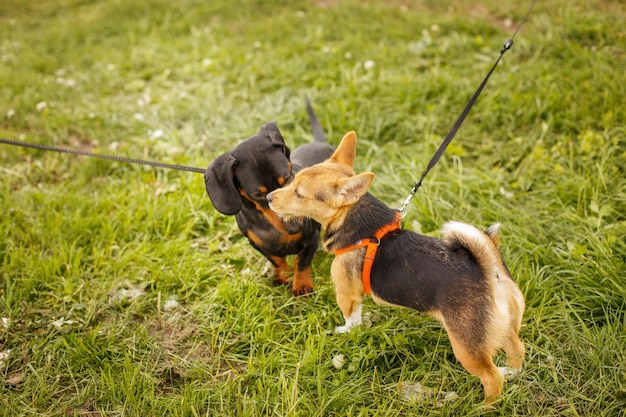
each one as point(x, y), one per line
point(302, 291)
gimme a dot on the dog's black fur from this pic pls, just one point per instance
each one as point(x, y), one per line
point(238, 181)
point(460, 279)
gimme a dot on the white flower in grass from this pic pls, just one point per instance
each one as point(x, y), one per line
point(171, 303)
point(339, 360)
point(67, 82)
point(61, 322)
point(162, 189)
point(128, 294)
point(206, 62)
point(257, 44)
point(5, 322)
point(157, 134)
point(111, 67)
point(418, 393)
point(138, 116)
point(369, 64)
point(507, 194)
point(4, 355)
point(10, 113)
point(41, 105)
point(347, 55)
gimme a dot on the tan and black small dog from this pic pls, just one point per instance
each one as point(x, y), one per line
point(460, 279)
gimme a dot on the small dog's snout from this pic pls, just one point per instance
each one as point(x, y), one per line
point(269, 197)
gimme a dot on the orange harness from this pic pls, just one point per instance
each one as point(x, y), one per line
point(372, 246)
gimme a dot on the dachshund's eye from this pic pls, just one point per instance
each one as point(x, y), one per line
point(259, 195)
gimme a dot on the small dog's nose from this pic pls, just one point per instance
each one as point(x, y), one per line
point(269, 197)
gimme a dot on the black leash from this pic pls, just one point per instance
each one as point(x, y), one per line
point(464, 113)
point(101, 156)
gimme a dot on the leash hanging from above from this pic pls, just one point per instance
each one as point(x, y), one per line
point(101, 156)
point(463, 115)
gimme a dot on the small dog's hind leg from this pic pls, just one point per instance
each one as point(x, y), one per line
point(514, 349)
point(511, 343)
point(480, 364)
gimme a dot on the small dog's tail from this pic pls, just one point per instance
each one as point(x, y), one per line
point(484, 246)
point(507, 297)
point(318, 132)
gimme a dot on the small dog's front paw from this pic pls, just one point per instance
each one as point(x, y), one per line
point(343, 329)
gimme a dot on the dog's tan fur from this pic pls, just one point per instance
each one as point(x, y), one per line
point(328, 192)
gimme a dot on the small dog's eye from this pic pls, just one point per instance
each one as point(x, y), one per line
point(298, 195)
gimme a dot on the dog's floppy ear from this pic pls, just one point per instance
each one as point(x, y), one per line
point(220, 184)
point(352, 188)
point(346, 151)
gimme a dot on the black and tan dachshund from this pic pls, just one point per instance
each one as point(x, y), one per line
point(238, 181)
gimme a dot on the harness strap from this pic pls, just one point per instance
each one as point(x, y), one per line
point(372, 244)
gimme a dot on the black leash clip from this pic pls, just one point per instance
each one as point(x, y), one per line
point(507, 46)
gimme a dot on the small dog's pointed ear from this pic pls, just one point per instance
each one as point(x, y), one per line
point(353, 188)
point(346, 151)
point(220, 184)
point(494, 235)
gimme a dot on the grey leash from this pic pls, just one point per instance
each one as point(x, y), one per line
point(101, 156)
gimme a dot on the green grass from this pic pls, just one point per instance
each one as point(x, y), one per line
point(92, 252)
